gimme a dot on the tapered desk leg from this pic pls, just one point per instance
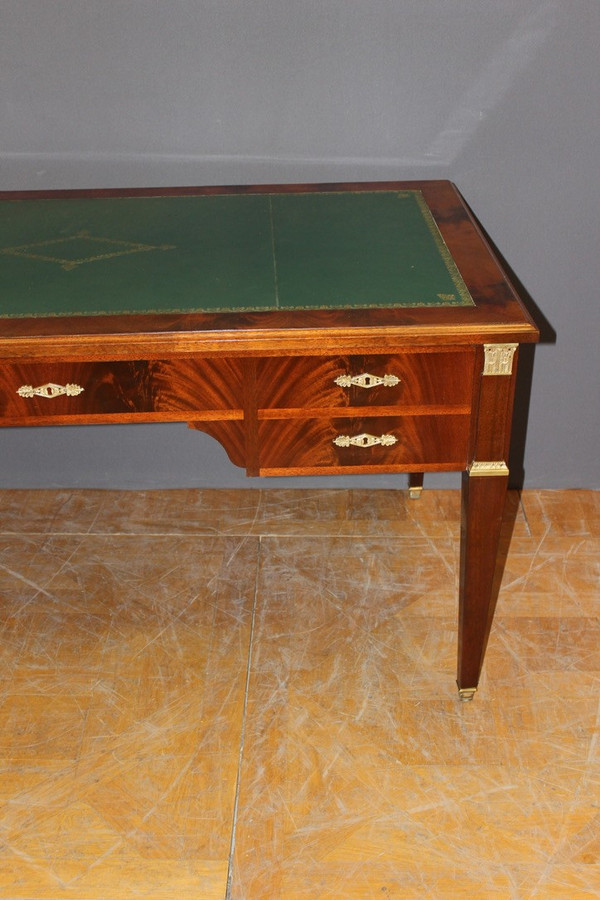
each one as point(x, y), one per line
point(415, 485)
point(483, 498)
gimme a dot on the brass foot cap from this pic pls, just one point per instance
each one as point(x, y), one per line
point(466, 694)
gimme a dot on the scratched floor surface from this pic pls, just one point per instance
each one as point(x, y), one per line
point(250, 694)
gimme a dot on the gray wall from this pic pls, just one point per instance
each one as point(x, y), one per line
point(502, 97)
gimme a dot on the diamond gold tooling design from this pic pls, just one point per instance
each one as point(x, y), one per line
point(77, 249)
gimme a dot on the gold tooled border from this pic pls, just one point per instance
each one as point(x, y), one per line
point(461, 288)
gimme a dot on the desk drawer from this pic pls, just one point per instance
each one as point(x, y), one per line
point(41, 390)
point(404, 379)
point(379, 441)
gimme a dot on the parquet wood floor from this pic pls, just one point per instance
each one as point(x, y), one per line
point(250, 695)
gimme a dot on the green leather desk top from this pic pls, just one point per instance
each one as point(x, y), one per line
point(220, 253)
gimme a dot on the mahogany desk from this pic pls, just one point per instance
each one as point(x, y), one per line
point(355, 328)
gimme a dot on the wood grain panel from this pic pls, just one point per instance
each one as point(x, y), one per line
point(123, 387)
point(494, 417)
point(309, 443)
point(309, 382)
point(230, 435)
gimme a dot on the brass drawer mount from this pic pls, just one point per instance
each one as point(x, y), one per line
point(366, 380)
point(50, 390)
